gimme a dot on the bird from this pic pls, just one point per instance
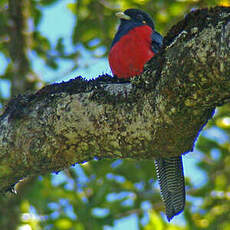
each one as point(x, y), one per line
point(135, 43)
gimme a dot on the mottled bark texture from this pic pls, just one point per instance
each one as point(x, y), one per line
point(158, 114)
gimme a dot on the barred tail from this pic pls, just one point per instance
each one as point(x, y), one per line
point(171, 180)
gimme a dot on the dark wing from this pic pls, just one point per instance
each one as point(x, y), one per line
point(157, 41)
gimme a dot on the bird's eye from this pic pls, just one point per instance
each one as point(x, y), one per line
point(144, 22)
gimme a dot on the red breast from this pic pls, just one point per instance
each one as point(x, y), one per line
point(128, 56)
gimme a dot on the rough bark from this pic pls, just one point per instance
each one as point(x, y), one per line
point(159, 113)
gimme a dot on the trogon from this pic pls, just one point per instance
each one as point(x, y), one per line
point(134, 44)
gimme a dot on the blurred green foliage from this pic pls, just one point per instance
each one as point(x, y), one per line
point(96, 194)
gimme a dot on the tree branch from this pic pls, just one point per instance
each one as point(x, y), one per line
point(159, 113)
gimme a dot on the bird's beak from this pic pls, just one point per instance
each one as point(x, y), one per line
point(121, 15)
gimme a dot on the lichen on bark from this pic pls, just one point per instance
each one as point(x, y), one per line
point(157, 114)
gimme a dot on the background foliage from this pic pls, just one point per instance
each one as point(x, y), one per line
point(104, 193)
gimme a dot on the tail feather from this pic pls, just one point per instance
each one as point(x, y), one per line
point(171, 180)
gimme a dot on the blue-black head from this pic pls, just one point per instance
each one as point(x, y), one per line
point(130, 19)
point(136, 16)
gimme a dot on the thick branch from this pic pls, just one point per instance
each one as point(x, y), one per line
point(158, 114)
